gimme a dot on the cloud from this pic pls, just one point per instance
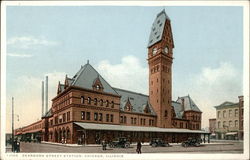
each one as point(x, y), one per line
point(28, 97)
point(129, 74)
point(26, 42)
point(213, 86)
point(17, 55)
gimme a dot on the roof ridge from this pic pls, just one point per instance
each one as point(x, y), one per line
point(131, 91)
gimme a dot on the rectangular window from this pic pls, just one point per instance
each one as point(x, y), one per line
point(132, 120)
point(141, 121)
point(230, 113)
point(135, 121)
point(125, 119)
point(56, 120)
point(64, 117)
point(51, 122)
point(236, 112)
point(111, 117)
point(149, 122)
point(95, 116)
point(107, 117)
point(144, 121)
point(121, 119)
point(218, 116)
point(88, 115)
point(181, 125)
point(100, 116)
point(82, 115)
point(68, 116)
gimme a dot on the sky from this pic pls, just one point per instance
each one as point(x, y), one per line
point(55, 41)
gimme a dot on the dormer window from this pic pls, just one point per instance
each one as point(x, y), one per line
point(97, 87)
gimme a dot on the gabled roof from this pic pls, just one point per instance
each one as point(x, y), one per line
point(137, 100)
point(157, 28)
point(189, 104)
point(87, 75)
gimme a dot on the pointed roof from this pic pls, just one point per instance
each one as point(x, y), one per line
point(87, 75)
point(157, 28)
point(188, 104)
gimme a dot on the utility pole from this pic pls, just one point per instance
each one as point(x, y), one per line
point(12, 124)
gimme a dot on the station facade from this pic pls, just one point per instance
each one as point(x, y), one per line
point(87, 109)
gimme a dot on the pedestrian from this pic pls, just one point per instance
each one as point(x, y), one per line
point(104, 145)
point(138, 149)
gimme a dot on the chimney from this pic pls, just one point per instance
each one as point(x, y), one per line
point(46, 95)
point(42, 98)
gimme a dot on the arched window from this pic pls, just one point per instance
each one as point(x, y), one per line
point(89, 100)
point(230, 123)
point(236, 123)
point(95, 101)
point(236, 113)
point(219, 124)
point(107, 103)
point(224, 114)
point(112, 104)
point(224, 124)
point(101, 102)
point(97, 87)
point(82, 99)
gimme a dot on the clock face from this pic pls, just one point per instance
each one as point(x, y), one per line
point(166, 50)
point(154, 51)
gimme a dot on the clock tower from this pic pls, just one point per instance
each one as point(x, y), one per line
point(160, 59)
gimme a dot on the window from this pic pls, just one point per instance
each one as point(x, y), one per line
point(51, 122)
point(107, 103)
point(186, 125)
point(224, 114)
point(149, 122)
point(68, 116)
point(236, 112)
point(88, 115)
point(219, 124)
point(197, 126)
point(230, 124)
point(95, 116)
point(112, 104)
point(89, 100)
point(56, 120)
point(100, 116)
point(121, 119)
point(144, 121)
point(82, 100)
point(107, 117)
point(236, 123)
point(95, 101)
point(141, 121)
point(218, 116)
point(230, 113)
point(166, 113)
point(181, 125)
point(125, 119)
point(242, 111)
point(134, 120)
point(64, 117)
point(97, 87)
point(224, 124)
point(83, 115)
point(111, 117)
point(101, 102)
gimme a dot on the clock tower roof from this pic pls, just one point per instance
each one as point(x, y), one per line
point(158, 28)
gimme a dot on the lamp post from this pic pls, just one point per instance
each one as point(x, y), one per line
point(13, 123)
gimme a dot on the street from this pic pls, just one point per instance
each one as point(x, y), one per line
point(215, 147)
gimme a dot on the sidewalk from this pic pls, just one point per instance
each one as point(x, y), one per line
point(133, 144)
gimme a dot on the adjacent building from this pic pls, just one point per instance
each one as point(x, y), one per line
point(87, 109)
point(212, 127)
point(229, 121)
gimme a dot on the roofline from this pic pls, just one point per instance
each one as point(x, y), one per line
point(131, 92)
point(121, 111)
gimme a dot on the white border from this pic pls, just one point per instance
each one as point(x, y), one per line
point(244, 4)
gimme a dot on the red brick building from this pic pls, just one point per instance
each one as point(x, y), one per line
point(88, 109)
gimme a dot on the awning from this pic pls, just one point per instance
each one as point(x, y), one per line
point(111, 127)
point(231, 133)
